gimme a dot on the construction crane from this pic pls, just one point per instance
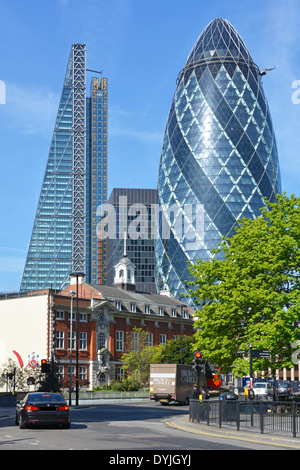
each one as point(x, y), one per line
point(95, 71)
point(264, 71)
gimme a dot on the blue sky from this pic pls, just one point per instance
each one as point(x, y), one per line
point(141, 46)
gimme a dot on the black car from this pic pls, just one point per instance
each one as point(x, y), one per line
point(283, 389)
point(43, 408)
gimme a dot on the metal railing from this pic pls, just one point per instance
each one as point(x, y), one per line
point(265, 416)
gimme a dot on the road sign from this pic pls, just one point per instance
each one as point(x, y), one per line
point(260, 353)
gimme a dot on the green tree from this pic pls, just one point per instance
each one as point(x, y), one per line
point(138, 355)
point(18, 380)
point(171, 352)
point(251, 296)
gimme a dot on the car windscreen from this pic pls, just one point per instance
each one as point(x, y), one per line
point(45, 397)
point(259, 385)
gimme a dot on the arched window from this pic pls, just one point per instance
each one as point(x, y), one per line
point(102, 379)
point(121, 273)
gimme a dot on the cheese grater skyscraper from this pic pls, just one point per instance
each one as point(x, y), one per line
point(63, 235)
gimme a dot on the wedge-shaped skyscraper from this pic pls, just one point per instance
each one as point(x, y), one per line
point(64, 235)
point(219, 157)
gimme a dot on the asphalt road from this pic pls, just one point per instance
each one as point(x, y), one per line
point(136, 427)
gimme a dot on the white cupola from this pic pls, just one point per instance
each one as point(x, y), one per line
point(124, 271)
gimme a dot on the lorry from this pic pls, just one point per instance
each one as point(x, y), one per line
point(173, 383)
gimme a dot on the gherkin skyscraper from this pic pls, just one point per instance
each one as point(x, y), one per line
point(219, 156)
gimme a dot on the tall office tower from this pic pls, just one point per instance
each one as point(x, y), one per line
point(61, 240)
point(97, 178)
point(219, 157)
point(134, 219)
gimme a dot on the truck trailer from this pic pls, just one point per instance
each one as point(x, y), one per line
point(173, 383)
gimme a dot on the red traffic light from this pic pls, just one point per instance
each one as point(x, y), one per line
point(45, 366)
point(198, 354)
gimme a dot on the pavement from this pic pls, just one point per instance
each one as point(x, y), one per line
point(253, 436)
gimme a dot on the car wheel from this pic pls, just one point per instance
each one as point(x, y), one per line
point(21, 423)
point(16, 421)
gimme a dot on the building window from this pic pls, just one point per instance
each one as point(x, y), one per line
point(60, 336)
point(73, 340)
point(101, 341)
point(119, 340)
point(161, 310)
point(83, 317)
point(60, 315)
point(134, 340)
point(60, 372)
point(119, 305)
point(83, 372)
point(120, 373)
point(132, 307)
point(186, 314)
point(163, 339)
point(174, 312)
point(102, 379)
point(83, 340)
point(147, 309)
point(73, 372)
point(73, 315)
point(149, 339)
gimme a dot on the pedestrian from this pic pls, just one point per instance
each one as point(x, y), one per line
point(195, 392)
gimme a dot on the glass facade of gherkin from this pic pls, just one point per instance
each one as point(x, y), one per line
point(219, 156)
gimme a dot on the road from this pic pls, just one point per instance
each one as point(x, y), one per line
point(120, 427)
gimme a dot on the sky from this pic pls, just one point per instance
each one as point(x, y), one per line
point(140, 46)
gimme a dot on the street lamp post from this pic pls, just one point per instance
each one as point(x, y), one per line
point(71, 343)
point(77, 275)
point(181, 333)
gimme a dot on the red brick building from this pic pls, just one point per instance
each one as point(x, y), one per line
point(106, 315)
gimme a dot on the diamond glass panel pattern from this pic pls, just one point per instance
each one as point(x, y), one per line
point(219, 151)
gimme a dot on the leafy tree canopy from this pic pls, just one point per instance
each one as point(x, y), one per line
point(250, 294)
point(174, 350)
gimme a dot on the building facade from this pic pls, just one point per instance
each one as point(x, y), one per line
point(106, 316)
point(219, 156)
point(134, 218)
point(64, 232)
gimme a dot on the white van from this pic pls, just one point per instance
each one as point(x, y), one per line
point(263, 390)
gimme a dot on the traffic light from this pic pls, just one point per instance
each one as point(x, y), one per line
point(45, 366)
point(197, 361)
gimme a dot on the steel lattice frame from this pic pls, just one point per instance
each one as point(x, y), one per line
point(79, 156)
